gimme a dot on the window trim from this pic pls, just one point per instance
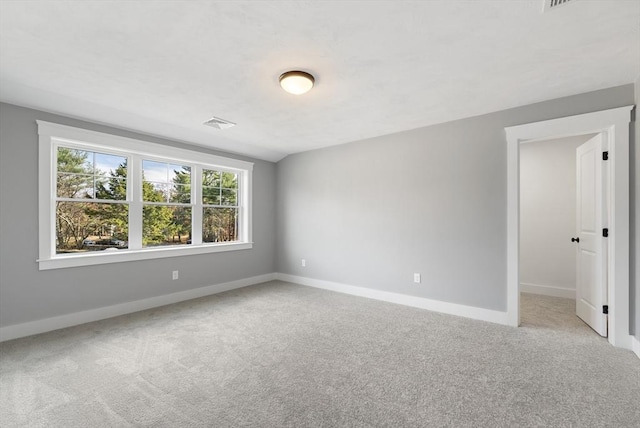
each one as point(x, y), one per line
point(52, 134)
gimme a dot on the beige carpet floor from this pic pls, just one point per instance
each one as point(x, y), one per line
point(282, 355)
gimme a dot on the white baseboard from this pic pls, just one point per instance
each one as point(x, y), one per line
point(402, 299)
point(54, 323)
point(548, 290)
point(635, 346)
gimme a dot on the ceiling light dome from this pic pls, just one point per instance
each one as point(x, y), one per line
point(296, 82)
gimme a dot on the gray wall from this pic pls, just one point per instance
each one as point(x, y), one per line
point(548, 212)
point(27, 294)
point(431, 200)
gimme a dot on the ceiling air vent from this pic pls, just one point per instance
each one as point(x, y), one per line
point(216, 122)
point(548, 5)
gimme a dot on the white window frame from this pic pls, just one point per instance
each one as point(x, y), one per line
point(52, 135)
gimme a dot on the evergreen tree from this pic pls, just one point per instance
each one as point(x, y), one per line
point(113, 217)
point(181, 192)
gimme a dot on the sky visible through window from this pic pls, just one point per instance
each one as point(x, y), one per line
point(107, 163)
point(159, 172)
point(153, 171)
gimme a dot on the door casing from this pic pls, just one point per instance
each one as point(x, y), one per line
point(613, 124)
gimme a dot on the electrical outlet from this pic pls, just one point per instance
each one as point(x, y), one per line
point(174, 275)
point(416, 278)
point(303, 262)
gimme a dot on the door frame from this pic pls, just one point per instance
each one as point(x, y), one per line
point(613, 124)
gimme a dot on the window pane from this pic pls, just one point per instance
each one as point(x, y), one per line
point(229, 197)
point(229, 180)
point(219, 224)
point(211, 195)
point(154, 171)
point(83, 174)
point(90, 226)
point(180, 193)
point(108, 165)
point(219, 188)
point(210, 178)
point(179, 174)
point(165, 225)
point(114, 188)
point(164, 182)
point(74, 161)
point(154, 192)
point(74, 186)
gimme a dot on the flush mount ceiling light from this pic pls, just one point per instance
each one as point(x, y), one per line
point(296, 82)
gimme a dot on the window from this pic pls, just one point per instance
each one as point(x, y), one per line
point(220, 206)
point(166, 210)
point(91, 207)
point(106, 199)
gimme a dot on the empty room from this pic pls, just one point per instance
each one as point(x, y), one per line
point(319, 213)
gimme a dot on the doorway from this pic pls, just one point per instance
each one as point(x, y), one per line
point(550, 249)
point(613, 125)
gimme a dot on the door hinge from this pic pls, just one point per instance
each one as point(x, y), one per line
point(605, 232)
point(605, 155)
point(605, 309)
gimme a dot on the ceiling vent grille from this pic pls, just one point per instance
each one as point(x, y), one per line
point(548, 5)
point(216, 122)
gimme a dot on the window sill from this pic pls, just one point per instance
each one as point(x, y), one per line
point(89, 259)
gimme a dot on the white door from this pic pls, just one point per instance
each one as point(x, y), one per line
point(591, 283)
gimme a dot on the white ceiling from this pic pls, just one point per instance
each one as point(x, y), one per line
point(164, 67)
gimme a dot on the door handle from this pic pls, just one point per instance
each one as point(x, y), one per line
point(575, 239)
